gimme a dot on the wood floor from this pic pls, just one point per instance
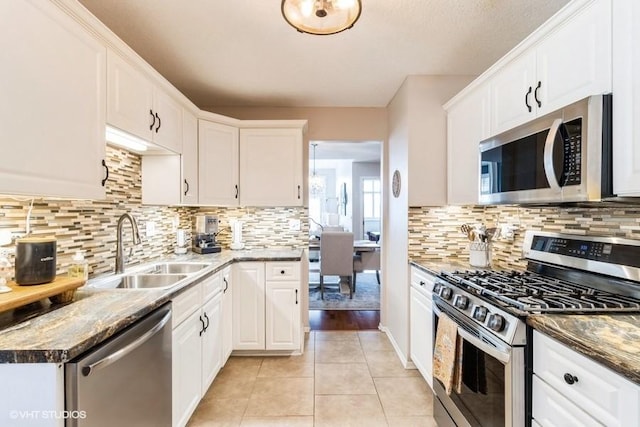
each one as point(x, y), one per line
point(343, 320)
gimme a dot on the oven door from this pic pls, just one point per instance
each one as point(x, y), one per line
point(501, 400)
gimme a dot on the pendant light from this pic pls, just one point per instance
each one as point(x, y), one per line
point(321, 17)
point(316, 183)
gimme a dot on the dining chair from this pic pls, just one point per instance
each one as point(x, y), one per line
point(366, 260)
point(336, 257)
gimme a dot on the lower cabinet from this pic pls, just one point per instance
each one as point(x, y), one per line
point(197, 346)
point(266, 306)
point(421, 323)
point(570, 389)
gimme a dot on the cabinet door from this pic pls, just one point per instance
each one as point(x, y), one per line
point(248, 306)
point(551, 409)
point(271, 167)
point(421, 334)
point(52, 107)
point(283, 315)
point(211, 341)
point(167, 131)
point(574, 61)
point(626, 99)
point(189, 182)
point(512, 93)
point(218, 164)
point(467, 125)
point(161, 180)
point(227, 314)
point(129, 98)
point(186, 369)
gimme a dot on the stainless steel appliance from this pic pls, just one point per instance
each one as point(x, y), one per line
point(126, 380)
point(204, 239)
point(564, 156)
point(565, 274)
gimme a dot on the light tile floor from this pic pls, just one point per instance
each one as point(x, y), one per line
point(344, 378)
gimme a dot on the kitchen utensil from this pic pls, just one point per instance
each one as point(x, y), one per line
point(466, 229)
point(491, 233)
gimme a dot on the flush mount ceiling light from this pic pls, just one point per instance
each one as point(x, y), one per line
point(321, 17)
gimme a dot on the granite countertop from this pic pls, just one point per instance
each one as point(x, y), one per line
point(96, 314)
point(612, 340)
point(435, 266)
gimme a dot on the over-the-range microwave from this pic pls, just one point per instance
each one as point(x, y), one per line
point(562, 157)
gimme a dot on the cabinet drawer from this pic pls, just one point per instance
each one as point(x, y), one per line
point(185, 304)
point(422, 281)
point(550, 409)
point(211, 286)
point(282, 271)
point(603, 394)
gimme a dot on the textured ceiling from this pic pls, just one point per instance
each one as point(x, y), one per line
point(243, 53)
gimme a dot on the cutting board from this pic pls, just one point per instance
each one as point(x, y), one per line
point(23, 295)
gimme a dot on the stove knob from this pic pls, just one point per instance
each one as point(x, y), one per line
point(436, 288)
point(480, 313)
point(461, 301)
point(496, 322)
point(446, 293)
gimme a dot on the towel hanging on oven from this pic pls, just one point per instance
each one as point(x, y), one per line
point(446, 349)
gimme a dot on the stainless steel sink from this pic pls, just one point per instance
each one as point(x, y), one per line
point(175, 268)
point(145, 281)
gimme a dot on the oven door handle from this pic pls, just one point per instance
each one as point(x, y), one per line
point(548, 154)
point(503, 356)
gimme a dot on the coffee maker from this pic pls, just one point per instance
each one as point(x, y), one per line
point(204, 240)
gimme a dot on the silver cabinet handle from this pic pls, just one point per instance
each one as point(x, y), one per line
point(106, 361)
point(548, 155)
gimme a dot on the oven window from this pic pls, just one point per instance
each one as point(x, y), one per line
point(517, 165)
point(483, 392)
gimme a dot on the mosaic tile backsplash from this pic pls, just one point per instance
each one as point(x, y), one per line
point(91, 226)
point(434, 233)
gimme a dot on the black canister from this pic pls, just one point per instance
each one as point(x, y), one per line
point(35, 260)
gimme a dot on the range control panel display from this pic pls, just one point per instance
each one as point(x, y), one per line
point(585, 249)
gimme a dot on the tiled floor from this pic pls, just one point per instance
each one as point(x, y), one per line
point(344, 378)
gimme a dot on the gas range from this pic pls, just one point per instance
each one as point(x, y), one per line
point(565, 274)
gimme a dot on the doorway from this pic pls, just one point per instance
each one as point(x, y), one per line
point(345, 194)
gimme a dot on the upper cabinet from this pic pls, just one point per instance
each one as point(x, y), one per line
point(626, 98)
point(219, 182)
point(135, 105)
point(271, 167)
point(52, 106)
point(467, 125)
point(189, 164)
point(571, 62)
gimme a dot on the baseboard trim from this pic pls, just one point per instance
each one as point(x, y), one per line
point(406, 363)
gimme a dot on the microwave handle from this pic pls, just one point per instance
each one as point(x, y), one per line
point(548, 154)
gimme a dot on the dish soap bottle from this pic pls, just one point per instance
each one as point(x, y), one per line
point(79, 268)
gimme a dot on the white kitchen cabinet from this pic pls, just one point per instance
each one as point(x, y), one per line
point(570, 63)
point(172, 179)
point(282, 306)
point(135, 105)
point(271, 167)
point(248, 306)
point(421, 323)
point(189, 164)
point(196, 345)
point(626, 98)
point(218, 164)
point(227, 314)
point(266, 306)
point(52, 106)
point(566, 384)
point(468, 123)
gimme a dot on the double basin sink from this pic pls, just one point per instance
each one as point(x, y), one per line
point(159, 275)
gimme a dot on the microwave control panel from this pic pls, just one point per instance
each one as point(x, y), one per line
point(572, 136)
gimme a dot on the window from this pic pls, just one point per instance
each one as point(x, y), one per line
point(371, 205)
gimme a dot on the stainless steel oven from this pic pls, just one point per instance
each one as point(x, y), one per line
point(564, 156)
point(500, 402)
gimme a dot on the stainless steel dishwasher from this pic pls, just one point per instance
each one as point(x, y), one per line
point(125, 381)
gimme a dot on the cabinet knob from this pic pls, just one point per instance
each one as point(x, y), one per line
point(187, 185)
point(281, 271)
point(203, 328)
point(153, 120)
point(106, 169)
point(535, 94)
point(237, 192)
point(159, 122)
point(421, 283)
point(570, 379)
point(526, 99)
point(296, 297)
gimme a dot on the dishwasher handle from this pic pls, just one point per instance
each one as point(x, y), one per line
point(106, 361)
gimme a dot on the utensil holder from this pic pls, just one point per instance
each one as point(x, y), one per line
point(480, 254)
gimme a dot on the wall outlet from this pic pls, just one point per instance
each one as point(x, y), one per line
point(294, 225)
point(151, 228)
point(507, 232)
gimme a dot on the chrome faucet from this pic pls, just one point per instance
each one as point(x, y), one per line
point(120, 260)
